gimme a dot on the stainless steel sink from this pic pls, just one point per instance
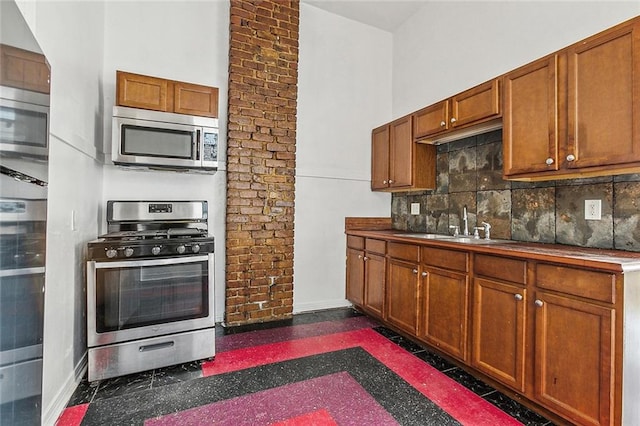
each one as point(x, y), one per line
point(458, 239)
point(471, 240)
point(426, 236)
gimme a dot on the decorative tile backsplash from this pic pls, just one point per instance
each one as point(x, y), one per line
point(469, 173)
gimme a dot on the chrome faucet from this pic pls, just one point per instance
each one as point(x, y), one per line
point(465, 219)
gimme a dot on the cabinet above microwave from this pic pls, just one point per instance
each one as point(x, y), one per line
point(164, 141)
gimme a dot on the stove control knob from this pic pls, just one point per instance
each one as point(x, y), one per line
point(155, 250)
point(195, 248)
point(180, 249)
point(128, 252)
point(111, 253)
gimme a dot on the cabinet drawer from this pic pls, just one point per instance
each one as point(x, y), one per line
point(375, 246)
point(355, 242)
point(404, 251)
point(578, 282)
point(502, 268)
point(448, 259)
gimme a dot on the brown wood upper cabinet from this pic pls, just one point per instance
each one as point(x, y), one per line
point(158, 94)
point(23, 69)
point(468, 108)
point(576, 111)
point(397, 162)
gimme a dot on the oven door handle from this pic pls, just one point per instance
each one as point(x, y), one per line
point(151, 262)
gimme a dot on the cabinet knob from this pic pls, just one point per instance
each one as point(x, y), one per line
point(443, 123)
point(518, 296)
point(549, 161)
point(453, 120)
point(415, 271)
point(390, 181)
point(539, 302)
point(571, 157)
point(424, 274)
point(359, 256)
point(384, 182)
point(366, 258)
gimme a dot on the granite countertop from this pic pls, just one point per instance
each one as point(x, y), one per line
point(614, 260)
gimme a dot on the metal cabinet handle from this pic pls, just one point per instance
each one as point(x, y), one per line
point(453, 120)
point(539, 302)
point(384, 182)
point(424, 274)
point(443, 123)
point(415, 271)
point(518, 297)
point(571, 157)
point(366, 258)
point(549, 161)
point(359, 256)
point(390, 181)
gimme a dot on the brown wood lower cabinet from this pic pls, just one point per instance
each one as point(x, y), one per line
point(550, 331)
point(574, 358)
point(366, 274)
point(403, 286)
point(499, 331)
point(445, 300)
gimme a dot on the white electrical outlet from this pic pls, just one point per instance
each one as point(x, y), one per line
point(415, 208)
point(593, 209)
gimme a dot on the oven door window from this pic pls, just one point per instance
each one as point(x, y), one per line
point(139, 296)
point(23, 127)
point(157, 142)
point(21, 311)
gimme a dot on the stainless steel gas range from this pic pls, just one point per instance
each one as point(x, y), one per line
point(150, 288)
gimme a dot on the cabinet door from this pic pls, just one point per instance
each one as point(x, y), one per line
point(530, 118)
point(604, 96)
point(402, 295)
point(141, 91)
point(574, 358)
point(380, 158)
point(431, 120)
point(476, 105)
point(499, 331)
point(402, 153)
point(445, 307)
point(355, 276)
point(23, 69)
point(375, 278)
point(194, 99)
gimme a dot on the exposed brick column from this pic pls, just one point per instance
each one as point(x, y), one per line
point(263, 78)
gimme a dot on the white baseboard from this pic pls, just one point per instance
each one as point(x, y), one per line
point(51, 413)
point(320, 305)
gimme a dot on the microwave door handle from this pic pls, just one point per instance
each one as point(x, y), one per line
point(198, 142)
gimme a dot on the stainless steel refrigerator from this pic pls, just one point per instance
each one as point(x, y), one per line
point(24, 153)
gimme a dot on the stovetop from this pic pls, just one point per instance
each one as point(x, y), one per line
point(142, 229)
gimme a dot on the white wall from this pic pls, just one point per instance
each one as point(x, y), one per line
point(187, 41)
point(449, 47)
point(344, 90)
point(71, 36)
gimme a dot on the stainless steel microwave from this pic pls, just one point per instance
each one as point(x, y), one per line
point(163, 140)
point(24, 123)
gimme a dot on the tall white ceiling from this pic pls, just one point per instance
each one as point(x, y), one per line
point(384, 14)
